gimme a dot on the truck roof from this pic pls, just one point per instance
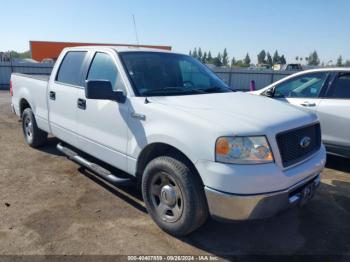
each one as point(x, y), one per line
point(325, 69)
point(121, 48)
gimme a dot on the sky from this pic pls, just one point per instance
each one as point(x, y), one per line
point(294, 28)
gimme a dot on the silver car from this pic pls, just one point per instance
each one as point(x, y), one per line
point(323, 91)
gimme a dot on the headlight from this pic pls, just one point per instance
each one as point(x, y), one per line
point(243, 150)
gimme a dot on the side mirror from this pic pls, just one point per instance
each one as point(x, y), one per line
point(102, 89)
point(269, 92)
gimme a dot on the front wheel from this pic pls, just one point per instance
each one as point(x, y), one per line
point(174, 196)
point(34, 136)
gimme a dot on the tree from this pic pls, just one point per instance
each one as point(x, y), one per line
point(19, 55)
point(247, 60)
point(210, 58)
point(276, 58)
point(314, 60)
point(217, 61)
point(347, 63)
point(204, 58)
point(283, 60)
point(340, 61)
point(301, 59)
point(224, 58)
point(233, 62)
point(240, 63)
point(261, 57)
point(190, 53)
point(200, 54)
point(194, 53)
point(297, 58)
point(269, 59)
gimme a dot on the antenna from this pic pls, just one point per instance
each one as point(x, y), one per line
point(136, 36)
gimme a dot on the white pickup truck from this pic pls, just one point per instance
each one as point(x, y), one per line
point(196, 146)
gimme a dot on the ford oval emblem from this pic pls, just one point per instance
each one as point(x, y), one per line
point(305, 142)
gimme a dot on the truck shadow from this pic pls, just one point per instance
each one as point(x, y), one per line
point(319, 228)
point(50, 147)
point(338, 163)
point(127, 191)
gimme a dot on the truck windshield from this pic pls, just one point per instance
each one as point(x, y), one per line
point(166, 74)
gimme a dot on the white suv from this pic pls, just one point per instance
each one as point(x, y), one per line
point(325, 92)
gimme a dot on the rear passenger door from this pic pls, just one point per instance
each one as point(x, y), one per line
point(62, 96)
point(334, 111)
point(103, 123)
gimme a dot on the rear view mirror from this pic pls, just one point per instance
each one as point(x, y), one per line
point(102, 89)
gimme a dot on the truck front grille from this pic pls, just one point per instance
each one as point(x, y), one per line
point(297, 144)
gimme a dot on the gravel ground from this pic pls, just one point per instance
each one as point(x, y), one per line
point(50, 206)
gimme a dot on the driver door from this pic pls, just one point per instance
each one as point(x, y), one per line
point(102, 124)
point(303, 91)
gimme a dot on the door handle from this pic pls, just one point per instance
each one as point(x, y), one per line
point(81, 103)
point(308, 104)
point(52, 95)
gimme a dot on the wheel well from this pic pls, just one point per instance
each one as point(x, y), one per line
point(23, 105)
point(155, 150)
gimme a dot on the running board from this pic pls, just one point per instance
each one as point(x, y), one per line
point(99, 170)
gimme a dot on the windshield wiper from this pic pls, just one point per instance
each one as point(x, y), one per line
point(215, 89)
point(177, 89)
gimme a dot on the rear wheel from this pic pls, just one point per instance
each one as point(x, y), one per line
point(34, 136)
point(174, 196)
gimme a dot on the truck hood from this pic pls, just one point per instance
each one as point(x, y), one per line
point(243, 112)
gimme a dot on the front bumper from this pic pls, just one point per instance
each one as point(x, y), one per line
point(260, 178)
point(226, 206)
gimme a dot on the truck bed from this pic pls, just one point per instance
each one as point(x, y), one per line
point(35, 76)
point(31, 89)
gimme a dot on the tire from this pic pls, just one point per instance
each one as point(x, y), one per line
point(34, 136)
point(174, 196)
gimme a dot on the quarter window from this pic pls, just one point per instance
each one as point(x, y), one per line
point(104, 68)
point(340, 87)
point(308, 85)
point(71, 68)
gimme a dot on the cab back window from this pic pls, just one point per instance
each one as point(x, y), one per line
point(71, 68)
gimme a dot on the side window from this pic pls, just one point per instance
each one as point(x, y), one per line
point(340, 87)
point(104, 68)
point(308, 85)
point(192, 76)
point(70, 68)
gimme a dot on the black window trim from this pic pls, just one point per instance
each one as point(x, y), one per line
point(81, 71)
